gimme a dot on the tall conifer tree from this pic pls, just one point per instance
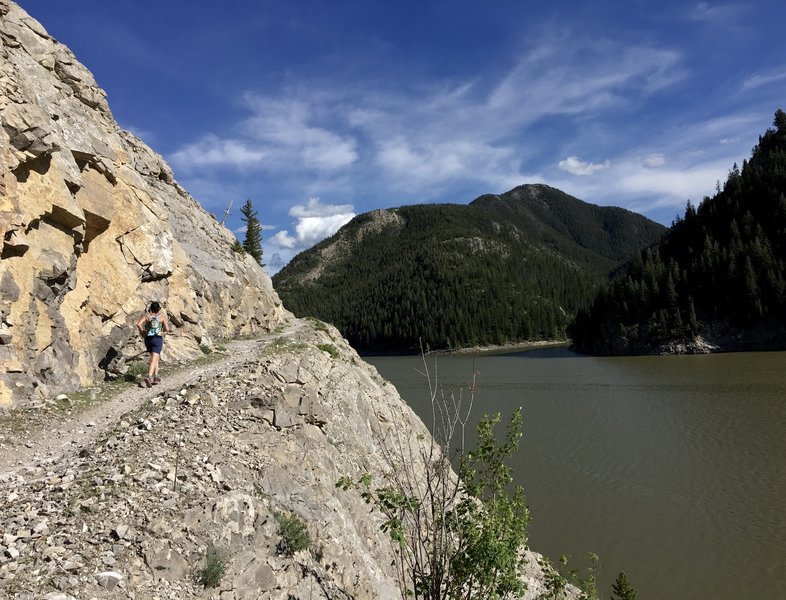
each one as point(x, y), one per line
point(253, 242)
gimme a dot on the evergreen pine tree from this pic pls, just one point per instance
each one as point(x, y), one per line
point(622, 589)
point(253, 242)
point(780, 120)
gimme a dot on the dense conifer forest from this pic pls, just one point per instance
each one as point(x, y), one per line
point(505, 268)
point(718, 273)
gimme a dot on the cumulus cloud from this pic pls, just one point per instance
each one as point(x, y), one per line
point(313, 222)
point(576, 166)
point(314, 208)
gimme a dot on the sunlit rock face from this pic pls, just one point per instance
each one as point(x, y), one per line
point(93, 227)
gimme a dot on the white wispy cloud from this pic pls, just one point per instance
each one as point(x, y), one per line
point(659, 192)
point(468, 133)
point(583, 77)
point(653, 161)
point(313, 222)
point(674, 186)
point(281, 134)
point(440, 136)
point(210, 150)
point(718, 14)
point(680, 163)
point(762, 79)
point(433, 138)
point(576, 166)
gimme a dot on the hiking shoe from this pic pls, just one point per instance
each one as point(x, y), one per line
point(156, 380)
point(148, 383)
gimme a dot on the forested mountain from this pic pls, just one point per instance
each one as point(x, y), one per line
point(504, 268)
point(717, 279)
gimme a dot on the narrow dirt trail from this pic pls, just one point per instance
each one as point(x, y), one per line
point(47, 439)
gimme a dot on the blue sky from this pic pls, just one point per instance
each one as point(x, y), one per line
point(318, 111)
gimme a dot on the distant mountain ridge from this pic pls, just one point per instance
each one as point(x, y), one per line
point(614, 234)
point(505, 268)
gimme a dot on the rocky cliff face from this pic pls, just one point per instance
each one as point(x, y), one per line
point(93, 227)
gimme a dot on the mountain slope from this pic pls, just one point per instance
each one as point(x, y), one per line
point(718, 279)
point(504, 268)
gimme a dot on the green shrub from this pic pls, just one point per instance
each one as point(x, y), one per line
point(285, 344)
point(329, 348)
point(622, 588)
point(293, 532)
point(555, 583)
point(456, 538)
point(318, 325)
point(259, 492)
point(205, 349)
point(136, 369)
point(214, 569)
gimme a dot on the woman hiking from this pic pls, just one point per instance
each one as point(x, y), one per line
point(152, 326)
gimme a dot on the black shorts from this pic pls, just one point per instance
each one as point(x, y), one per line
point(154, 343)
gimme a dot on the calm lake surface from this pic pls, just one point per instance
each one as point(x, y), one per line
point(671, 468)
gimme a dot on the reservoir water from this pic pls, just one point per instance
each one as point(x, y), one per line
point(670, 468)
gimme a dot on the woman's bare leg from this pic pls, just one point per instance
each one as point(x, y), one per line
point(152, 370)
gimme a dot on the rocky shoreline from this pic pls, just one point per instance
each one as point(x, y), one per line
point(506, 348)
point(712, 338)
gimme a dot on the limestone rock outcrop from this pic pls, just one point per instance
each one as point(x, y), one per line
point(93, 226)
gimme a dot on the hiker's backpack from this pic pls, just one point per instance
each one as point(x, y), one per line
point(154, 326)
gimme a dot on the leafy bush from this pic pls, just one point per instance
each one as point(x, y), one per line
point(455, 537)
point(215, 567)
point(293, 532)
